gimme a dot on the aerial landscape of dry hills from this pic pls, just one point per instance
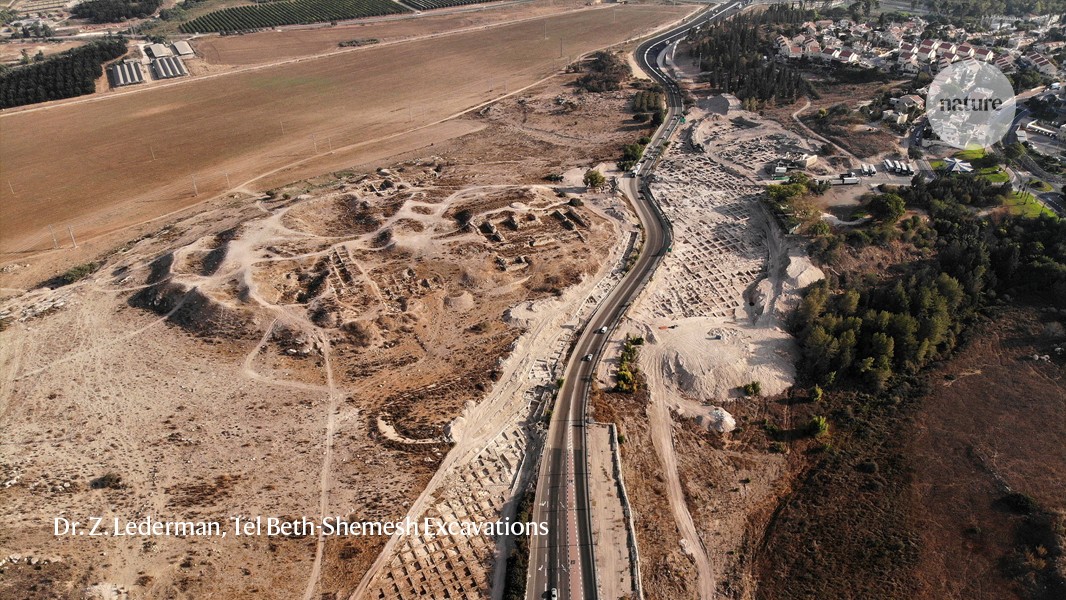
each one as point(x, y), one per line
point(716, 314)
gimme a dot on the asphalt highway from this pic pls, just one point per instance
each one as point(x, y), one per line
point(563, 560)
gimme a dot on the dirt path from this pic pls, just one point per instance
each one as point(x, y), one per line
point(810, 132)
point(660, 425)
point(327, 468)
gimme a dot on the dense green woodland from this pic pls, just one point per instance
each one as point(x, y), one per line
point(868, 331)
point(68, 74)
point(733, 56)
point(986, 8)
point(115, 11)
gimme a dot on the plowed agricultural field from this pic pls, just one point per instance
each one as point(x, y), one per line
point(90, 162)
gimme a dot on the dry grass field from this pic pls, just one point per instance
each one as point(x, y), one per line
point(270, 46)
point(89, 162)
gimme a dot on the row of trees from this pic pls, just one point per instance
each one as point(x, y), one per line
point(646, 101)
point(871, 329)
point(68, 74)
point(115, 11)
point(33, 30)
point(733, 57)
point(273, 14)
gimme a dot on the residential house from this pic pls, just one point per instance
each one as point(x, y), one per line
point(891, 116)
point(1005, 63)
point(791, 51)
point(1042, 63)
point(905, 103)
point(847, 56)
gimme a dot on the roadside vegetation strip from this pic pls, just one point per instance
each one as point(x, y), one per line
point(627, 380)
point(300, 12)
point(514, 587)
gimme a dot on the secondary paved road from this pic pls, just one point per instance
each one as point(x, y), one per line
point(563, 560)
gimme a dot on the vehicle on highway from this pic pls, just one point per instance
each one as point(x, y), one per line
point(602, 329)
point(555, 593)
point(586, 358)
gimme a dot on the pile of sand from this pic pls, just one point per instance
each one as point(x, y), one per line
point(802, 272)
point(461, 302)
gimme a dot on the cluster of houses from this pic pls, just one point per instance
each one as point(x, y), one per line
point(938, 54)
point(848, 42)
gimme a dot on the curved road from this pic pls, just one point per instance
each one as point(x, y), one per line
point(563, 560)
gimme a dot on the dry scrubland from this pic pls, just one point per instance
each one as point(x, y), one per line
point(927, 495)
point(89, 161)
point(223, 362)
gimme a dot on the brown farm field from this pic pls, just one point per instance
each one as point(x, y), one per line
point(270, 46)
point(90, 163)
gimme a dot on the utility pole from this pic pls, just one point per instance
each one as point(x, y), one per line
point(314, 142)
point(282, 127)
point(152, 150)
point(195, 190)
point(227, 179)
point(10, 187)
point(72, 240)
point(329, 140)
point(560, 47)
point(55, 242)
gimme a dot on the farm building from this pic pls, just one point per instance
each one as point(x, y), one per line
point(157, 50)
point(183, 48)
point(124, 73)
point(168, 68)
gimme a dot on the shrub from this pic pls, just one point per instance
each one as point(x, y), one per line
point(594, 179)
point(818, 426)
point(752, 389)
point(109, 480)
point(1020, 503)
point(78, 273)
point(867, 466)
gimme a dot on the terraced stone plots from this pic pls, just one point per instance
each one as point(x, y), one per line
point(274, 14)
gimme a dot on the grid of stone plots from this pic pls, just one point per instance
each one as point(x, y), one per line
point(428, 565)
point(718, 251)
